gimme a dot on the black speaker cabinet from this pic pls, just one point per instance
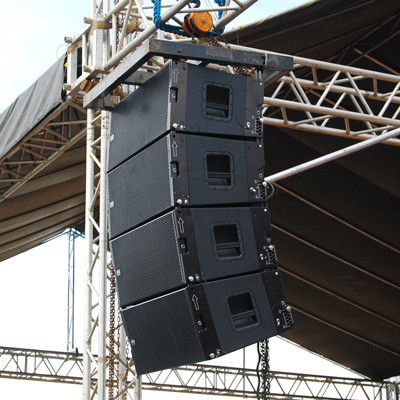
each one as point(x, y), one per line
point(206, 320)
point(191, 245)
point(188, 98)
point(196, 269)
point(184, 170)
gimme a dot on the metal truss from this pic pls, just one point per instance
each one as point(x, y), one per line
point(64, 367)
point(111, 36)
point(317, 97)
point(40, 365)
point(239, 382)
point(72, 235)
point(62, 129)
point(335, 99)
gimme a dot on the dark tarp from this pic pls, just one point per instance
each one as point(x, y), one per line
point(337, 226)
point(323, 28)
point(31, 107)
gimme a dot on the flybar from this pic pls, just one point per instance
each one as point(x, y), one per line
point(184, 51)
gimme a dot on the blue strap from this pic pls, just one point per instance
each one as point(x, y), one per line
point(177, 29)
point(162, 25)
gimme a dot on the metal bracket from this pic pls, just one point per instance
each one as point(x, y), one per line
point(184, 51)
point(276, 66)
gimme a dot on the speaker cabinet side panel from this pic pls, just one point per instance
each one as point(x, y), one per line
point(140, 188)
point(162, 333)
point(226, 240)
point(139, 119)
point(241, 311)
point(220, 103)
point(276, 295)
point(147, 261)
point(220, 172)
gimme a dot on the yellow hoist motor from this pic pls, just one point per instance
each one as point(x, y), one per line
point(197, 23)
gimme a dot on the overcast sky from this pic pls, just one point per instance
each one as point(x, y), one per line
point(32, 36)
point(33, 286)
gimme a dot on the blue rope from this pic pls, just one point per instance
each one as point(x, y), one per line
point(220, 3)
point(162, 25)
point(177, 29)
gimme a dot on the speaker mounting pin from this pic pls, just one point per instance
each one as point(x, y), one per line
point(218, 352)
point(197, 276)
point(248, 125)
point(191, 279)
point(288, 308)
point(175, 125)
point(186, 201)
point(270, 247)
point(212, 355)
point(262, 256)
point(179, 201)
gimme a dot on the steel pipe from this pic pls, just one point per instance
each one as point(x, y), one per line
point(231, 16)
point(145, 34)
point(330, 157)
point(330, 111)
point(87, 301)
point(102, 356)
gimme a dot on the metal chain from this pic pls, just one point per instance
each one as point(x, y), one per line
point(111, 335)
point(267, 371)
point(212, 41)
point(123, 396)
point(263, 371)
point(119, 24)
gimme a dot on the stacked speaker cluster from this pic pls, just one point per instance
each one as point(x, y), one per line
point(190, 237)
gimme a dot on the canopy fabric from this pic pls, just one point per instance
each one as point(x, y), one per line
point(30, 107)
point(337, 226)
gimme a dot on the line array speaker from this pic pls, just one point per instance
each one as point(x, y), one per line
point(186, 170)
point(197, 273)
point(206, 320)
point(191, 245)
point(214, 103)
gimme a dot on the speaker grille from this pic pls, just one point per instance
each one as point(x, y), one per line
point(139, 119)
point(147, 261)
point(162, 333)
point(139, 188)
